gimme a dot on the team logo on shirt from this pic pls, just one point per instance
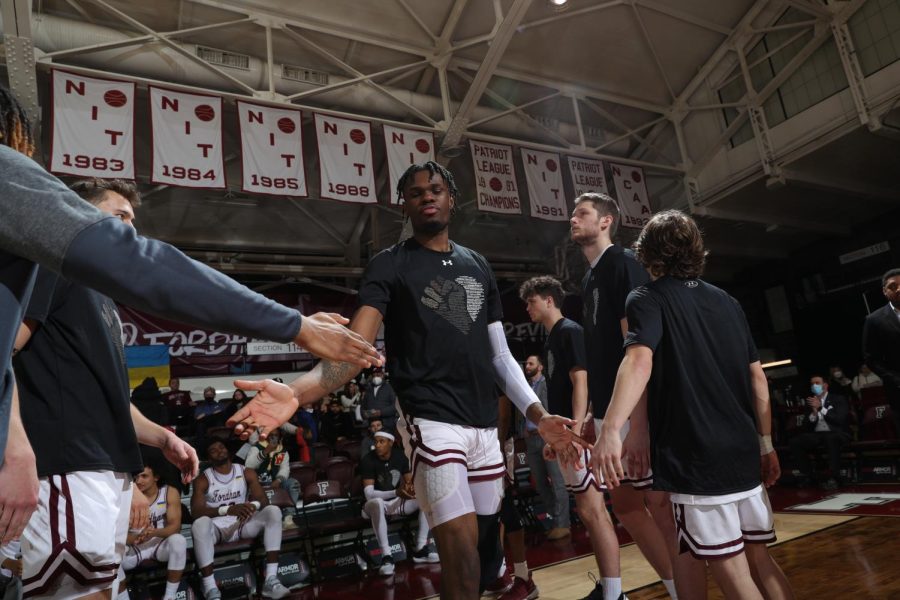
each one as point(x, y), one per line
point(551, 364)
point(691, 283)
point(111, 319)
point(447, 262)
point(596, 298)
point(459, 300)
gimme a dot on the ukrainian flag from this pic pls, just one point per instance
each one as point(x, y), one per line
point(147, 361)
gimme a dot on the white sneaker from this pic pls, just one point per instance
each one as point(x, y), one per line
point(274, 589)
point(212, 594)
point(387, 566)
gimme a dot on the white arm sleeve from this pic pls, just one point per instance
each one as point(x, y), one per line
point(507, 371)
point(370, 492)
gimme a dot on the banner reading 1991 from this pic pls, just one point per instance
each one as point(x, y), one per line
point(545, 186)
point(495, 178)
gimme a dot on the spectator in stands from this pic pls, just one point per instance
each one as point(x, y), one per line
point(228, 505)
point(881, 342)
point(148, 399)
point(865, 379)
point(272, 464)
point(380, 400)
point(11, 571)
point(839, 383)
point(335, 425)
point(350, 397)
point(827, 426)
point(179, 404)
point(387, 484)
point(210, 413)
point(368, 442)
point(553, 490)
point(161, 541)
point(238, 400)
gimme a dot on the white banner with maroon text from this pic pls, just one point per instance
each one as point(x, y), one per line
point(93, 127)
point(187, 139)
point(631, 192)
point(346, 167)
point(543, 174)
point(405, 147)
point(271, 150)
point(495, 178)
point(587, 175)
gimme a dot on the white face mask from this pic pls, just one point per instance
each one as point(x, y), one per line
point(838, 374)
point(376, 381)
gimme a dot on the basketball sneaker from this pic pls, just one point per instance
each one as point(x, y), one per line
point(521, 590)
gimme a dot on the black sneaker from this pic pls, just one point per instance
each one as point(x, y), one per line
point(597, 592)
point(425, 555)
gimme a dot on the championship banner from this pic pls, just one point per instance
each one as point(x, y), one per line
point(345, 159)
point(187, 139)
point(631, 192)
point(545, 190)
point(271, 150)
point(587, 175)
point(93, 127)
point(495, 178)
point(405, 147)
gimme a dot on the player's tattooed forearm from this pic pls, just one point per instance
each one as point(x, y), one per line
point(335, 374)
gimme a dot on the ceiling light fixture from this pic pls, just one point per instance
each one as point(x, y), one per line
point(776, 363)
point(558, 4)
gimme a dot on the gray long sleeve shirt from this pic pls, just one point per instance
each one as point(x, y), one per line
point(42, 221)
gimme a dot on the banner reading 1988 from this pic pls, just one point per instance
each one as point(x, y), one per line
point(345, 159)
point(495, 178)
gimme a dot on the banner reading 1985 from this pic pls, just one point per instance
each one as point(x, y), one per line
point(271, 150)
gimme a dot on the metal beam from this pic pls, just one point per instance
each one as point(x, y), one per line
point(323, 225)
point(415, 17)
point(485, 72)
point(568, 14)
point(359, 79)
point(842, 186)
point(649, 41)
point(20, 63)
point(683, 16)
point(513, 109)
point(757, 118)
point(443, 42)
point(855, 77)
point(755, 217)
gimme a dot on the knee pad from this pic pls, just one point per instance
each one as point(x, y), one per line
point(443, 492)
point(201, 526)
point(509, 515)
point(373, 505)
point(177, 552)
point(271, 513)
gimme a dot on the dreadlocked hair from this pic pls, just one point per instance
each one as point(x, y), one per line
point(15, 127)
point(433, 169)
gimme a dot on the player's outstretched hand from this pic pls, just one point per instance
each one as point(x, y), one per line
point(272, 406)
point(556, 431)
point(636, 451)
point(182, 455)
point(771, 469)
point(326, 336)
point(139, 517)
point(606, 460)
point(18, 492)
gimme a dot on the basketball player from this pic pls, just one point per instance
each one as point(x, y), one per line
point(612, 275)
point(45, 222)
point(229, 504)
point(387, 485)
point(567, 395)
point(161, 541)
point(708, 399)
point(442, 315)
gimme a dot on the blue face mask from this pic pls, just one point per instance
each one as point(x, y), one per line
point(816, 389)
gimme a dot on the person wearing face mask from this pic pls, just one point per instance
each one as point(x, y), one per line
point(826, 424)
point(272, 465)
point(839, 383)
point(380, 400)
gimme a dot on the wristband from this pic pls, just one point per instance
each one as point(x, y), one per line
point(223, 510)
point(256, 504)
point(765, 445)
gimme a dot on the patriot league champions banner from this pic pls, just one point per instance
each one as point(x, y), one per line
point(587, 175)
point(495, 178)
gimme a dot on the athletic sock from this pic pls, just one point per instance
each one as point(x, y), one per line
point(209, 582)
point(502, 571)
point(612, 588)
point(171, 590)
point(271, 570)
point(521, 570)
point(670, 587)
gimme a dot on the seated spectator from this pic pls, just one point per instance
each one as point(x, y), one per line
point(865, 379)
point(161, 541)
point(210, 413)
point(228, 505)
point(238, 400)
point(272, 464)
point(350, 397)
point(826, 424)
point(380, 400)
point(388, 486)
point(839, 383)
point(179, 404)
point(335, 425)
point(11, 571)
point(148, 399)
point(368, 442)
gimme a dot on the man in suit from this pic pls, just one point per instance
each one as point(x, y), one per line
point(881, 342)
point(826, 425)
point(379, 400)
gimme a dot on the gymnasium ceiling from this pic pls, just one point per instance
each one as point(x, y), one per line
point(518, 70)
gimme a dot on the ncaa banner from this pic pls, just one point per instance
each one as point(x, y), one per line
point(631, 192)
point(345, 159)
point(93, 127)
point(271, 150)
point(545, 190)
point(495, 178)
point(405, 147)
point(587, 175)
point(187, 139)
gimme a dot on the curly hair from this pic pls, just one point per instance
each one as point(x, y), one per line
point(544, 286)
point(15, 126)
point(671, 244)
point(93, 189)
point(433, 169)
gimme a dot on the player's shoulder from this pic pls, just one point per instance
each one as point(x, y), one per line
point(571, 326)
point(467, 252)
